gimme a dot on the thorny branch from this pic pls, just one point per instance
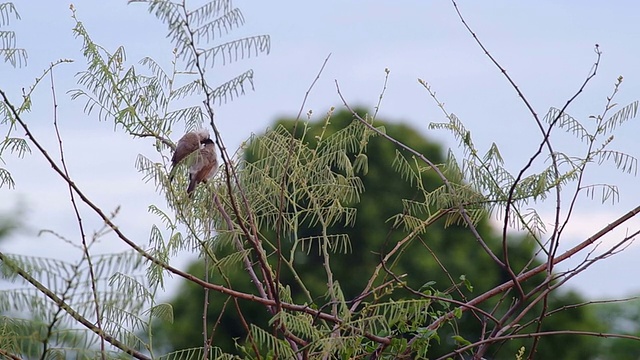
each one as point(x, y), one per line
point(250, 230)
point(554, 240)
point(189, 277)
point(268, 286)
point(83, 236)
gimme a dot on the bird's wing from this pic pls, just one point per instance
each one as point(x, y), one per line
point(203, 168)
point(187, 144)
point(201, 161)
point(214, 167)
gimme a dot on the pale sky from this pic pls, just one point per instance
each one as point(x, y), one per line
point(546, 46)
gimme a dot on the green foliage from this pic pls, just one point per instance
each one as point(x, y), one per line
point(342, 238)
point(121, 313)
point(110, 294)
point(16, 57)
point(11, 54)
point(620, 318)
point(388, 195)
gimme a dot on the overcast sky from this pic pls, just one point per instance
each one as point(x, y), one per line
point(546, 46)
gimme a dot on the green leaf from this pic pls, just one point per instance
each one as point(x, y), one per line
point(460, 340)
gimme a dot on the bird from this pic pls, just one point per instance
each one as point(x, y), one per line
point(187, 144)
point(205, 166)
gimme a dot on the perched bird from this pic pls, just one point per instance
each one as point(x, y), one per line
point(205, 166)
point(187, 144)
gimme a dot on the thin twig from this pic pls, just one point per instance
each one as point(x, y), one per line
point(313, 84)
point(460, 206)
point(544, 143)
point(85, 246)
point(163, 140)
point(189, 277)
point(437, 298)
point(534, 335)
point(384, 89)
point(205, 302)
point(541, 268)
point(251, 231)
point(9, 355)
point(285, 175)
point(68, 309)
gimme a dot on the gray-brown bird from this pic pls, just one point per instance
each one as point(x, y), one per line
point(205, 166)
point(187, 144)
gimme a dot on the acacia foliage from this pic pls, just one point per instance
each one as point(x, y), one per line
point(441, 258)
point(299, 191)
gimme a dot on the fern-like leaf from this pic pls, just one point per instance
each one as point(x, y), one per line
point(564, 121)
point(17, 57)
point(621, 116)
point(622, 161)
point(234, 50)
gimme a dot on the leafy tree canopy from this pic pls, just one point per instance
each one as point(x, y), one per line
point(445, 257)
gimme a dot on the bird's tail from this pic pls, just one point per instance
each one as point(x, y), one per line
point(191, 187)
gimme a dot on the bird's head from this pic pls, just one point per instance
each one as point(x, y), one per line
point(206, 141)
point(202, 134)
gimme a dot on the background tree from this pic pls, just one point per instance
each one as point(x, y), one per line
point(446, 257)
point(624, 318)
point(291, 207)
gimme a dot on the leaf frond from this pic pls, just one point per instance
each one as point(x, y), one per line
point(234, 50)
point(564, 121)
point(620, 117)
